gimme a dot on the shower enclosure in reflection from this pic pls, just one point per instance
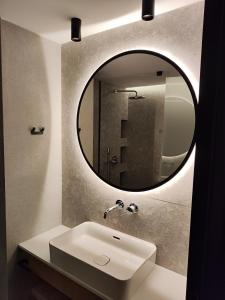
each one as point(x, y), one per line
point(136, 124)
point(128, 130)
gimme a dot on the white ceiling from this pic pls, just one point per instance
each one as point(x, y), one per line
point(51, 18)
point(137, 69)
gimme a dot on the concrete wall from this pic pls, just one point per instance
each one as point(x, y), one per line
point(86, 121)
point(164, 216)
point(31, 79)
point(145, 129)
point(114, 108)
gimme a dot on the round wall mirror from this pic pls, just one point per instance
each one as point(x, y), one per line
point(136, 120)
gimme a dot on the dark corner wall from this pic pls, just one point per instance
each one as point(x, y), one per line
point(206, 274)
point(3, 255)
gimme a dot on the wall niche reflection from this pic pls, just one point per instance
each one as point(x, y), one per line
point(136, 120)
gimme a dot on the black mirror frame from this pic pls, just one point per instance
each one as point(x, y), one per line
point(195, 106)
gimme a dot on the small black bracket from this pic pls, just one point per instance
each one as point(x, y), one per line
point(159, 73)
point(37, 130)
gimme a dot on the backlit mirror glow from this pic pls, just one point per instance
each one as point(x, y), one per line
point(136, 121)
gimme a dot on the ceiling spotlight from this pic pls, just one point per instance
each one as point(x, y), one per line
point(148, 10)
point(76, 29)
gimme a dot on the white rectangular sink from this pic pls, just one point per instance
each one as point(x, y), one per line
point(112, 263)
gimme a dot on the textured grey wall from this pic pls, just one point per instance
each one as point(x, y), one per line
point(31, 76)
point(164, 216)
point(144, 135)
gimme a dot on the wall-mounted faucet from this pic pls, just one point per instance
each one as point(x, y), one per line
point(119, 204)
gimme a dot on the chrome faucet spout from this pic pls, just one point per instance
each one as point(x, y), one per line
point(119, 204)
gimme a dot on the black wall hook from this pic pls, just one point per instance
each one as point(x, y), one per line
point(37, 130)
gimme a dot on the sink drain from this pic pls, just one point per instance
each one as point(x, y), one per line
point(101, 260)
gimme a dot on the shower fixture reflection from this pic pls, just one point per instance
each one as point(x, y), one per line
point(136, 97)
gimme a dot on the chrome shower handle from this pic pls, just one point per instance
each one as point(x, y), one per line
point(114, 160)
point(132, 208)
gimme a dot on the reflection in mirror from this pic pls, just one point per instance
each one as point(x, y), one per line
point(136, 121)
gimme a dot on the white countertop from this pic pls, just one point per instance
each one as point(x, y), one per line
point(161, 284)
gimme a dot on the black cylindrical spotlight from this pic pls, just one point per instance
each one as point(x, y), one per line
point(148, 10)
point(76, 29)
